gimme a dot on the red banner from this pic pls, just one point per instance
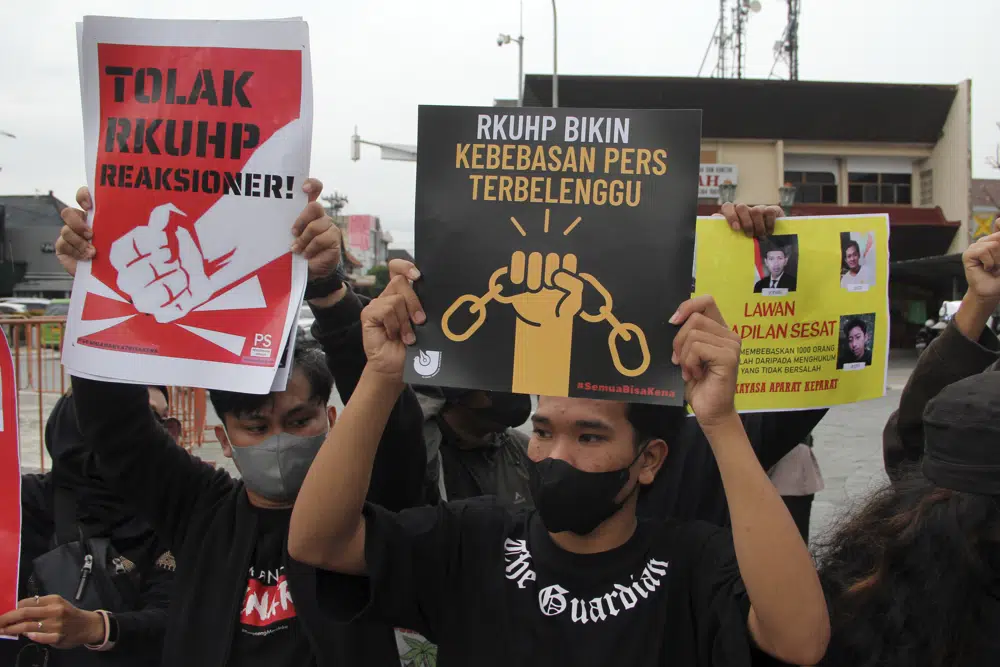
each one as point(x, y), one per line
point(10, 483)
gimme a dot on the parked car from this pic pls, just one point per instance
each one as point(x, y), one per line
point(35, 305)
point(52, 333)
point(8, 309)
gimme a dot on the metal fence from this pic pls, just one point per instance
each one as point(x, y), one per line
point(36, 348)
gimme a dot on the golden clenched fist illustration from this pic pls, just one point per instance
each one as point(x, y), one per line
point(546, 292)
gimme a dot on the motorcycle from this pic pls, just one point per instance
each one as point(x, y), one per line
point(931, 330)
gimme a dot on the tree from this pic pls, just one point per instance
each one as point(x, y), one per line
point(381, 274)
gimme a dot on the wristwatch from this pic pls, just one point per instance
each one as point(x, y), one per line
point(317, 289)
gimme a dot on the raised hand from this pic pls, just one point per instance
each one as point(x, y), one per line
point(317, 237)
point(708, 353)
point(387, 322)
point(982, 268)
point(164, 276)
point(751, 220)
point(544, 289)
point(73, 243)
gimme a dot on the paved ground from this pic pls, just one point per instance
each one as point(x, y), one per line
point(848, 444)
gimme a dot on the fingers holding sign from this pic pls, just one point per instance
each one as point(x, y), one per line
point(387, 323)
point(754, 221)
point(73, 244)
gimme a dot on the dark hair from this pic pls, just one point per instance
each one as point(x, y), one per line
point(654, 421)
point(856, 322)
point(906, 576)
point(308, 358)
point(852, 244)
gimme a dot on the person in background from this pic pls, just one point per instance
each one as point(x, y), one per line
point(473, 445)
point(798, 479)
point(239, 600)
point(578, 580)
point(965, 348)
point(913, 576)
point(57, 507)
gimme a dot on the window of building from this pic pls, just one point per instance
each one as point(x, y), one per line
point(926, 187)
point(813, 187)
point(873, 188)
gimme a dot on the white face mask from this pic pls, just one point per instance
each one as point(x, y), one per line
point(276, 467)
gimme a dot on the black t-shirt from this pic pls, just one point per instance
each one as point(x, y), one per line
point(489, 587)
point(268, 632)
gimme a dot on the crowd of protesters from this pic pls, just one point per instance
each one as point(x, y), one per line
point(420, 526)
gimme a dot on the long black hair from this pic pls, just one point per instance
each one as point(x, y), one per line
point(912, 576)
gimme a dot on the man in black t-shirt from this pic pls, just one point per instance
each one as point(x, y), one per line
point(579, 580)
point(238, 599)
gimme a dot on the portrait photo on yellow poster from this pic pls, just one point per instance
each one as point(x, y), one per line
point(811, 304)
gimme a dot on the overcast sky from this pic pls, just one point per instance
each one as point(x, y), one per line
point(375, 61)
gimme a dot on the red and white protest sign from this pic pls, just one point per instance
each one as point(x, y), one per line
point(197, 147)
point(10, 482)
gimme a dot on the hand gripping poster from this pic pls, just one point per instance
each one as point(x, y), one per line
point(811, 303)
point(197, 145)
point(554, 244)
point(10, 484)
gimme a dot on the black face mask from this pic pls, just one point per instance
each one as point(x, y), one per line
point(569, 499)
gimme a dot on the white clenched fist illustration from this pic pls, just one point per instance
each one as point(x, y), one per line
point(162, 282)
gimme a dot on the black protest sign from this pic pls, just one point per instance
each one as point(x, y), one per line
point(554, 244)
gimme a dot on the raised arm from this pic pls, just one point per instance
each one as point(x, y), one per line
point(327, 528)
point(397, 480)
point(788, 617)
point(966, 347)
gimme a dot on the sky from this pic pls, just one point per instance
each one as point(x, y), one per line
point(375, 61)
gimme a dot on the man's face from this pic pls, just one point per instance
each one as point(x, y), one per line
point(776, 261)
point(158, 404)
point(853, 258)
point(592, 436)
point(856, 341)
point(290, 411)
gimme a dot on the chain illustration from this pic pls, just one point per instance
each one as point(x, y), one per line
point(623, 330)
point(477, 307)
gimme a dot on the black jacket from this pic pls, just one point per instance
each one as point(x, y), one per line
point(949, 358)
point(689, 486)
point(786, 281)
point(101, 514)
point(204, 514)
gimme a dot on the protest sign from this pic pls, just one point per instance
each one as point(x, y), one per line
point(554, 245)
point(810, 303)
point(10, 484)
point(197, 147)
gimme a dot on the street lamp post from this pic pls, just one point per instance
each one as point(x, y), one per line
point(555, 57)
point(507, 39)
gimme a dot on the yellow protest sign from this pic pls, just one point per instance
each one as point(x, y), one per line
point(810, 303)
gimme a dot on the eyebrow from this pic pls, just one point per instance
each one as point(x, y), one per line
point(588, 424)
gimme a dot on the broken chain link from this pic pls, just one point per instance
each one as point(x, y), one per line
point(623, 330)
